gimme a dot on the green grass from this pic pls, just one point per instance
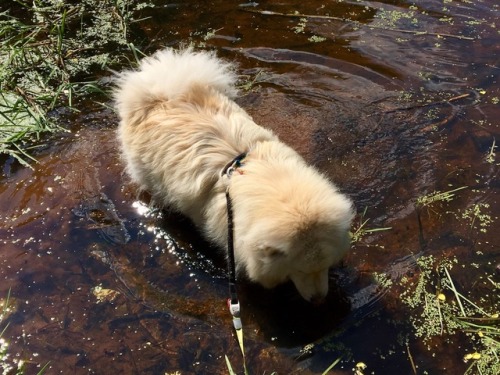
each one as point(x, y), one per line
point(48, 59)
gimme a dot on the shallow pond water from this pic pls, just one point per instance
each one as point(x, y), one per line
point(392, 100)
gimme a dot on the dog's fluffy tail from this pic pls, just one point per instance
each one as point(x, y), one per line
point(168, 74)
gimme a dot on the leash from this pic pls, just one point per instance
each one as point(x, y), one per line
point(233, 302)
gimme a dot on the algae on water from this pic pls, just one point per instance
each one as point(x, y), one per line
point(440, 310)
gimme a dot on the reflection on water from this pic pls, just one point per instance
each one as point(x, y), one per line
point(391, 100)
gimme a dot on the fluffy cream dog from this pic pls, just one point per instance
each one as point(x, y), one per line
point(179, 128)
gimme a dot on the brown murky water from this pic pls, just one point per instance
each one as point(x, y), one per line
point(388, 112)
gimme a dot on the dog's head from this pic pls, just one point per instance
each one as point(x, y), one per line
point(286, 242)
point(303, 258)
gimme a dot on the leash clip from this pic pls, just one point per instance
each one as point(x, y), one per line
point(234, 309)
point(231, 169)
point(233, 165)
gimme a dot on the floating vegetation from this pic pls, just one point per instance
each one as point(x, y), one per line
point(361, 230)
point(316, 39)
point(199, 39)
point(300, 28)
point(491, 156)
point(42, 63)
point(442, 310)
point(383, 280)
point(438, 196)
point(395, 17)
point(478, 217)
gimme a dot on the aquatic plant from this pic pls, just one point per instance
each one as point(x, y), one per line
point(438, 196)
point(490, 157)
point(429, 201)
point(478, 216)
point(388, 21)
point(43, 61)
point(361, 230)
point(440, 309)
point(249, 81)
point(300, 28)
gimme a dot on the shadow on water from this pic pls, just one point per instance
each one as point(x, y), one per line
point(391, 101)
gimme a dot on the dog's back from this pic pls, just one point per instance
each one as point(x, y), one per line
point(179, 126)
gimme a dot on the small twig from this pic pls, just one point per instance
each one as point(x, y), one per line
point(296, 15)
point(441, 123)
point(490, 158)
point(445, 121)
point(482, 319)
point(332, 366)
point(439, 102)
point(322, 17)
point(440, 316)
point(454, 290)
point(411, 359)
point(38, 44)
point(472, 304)
point(70, 53)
